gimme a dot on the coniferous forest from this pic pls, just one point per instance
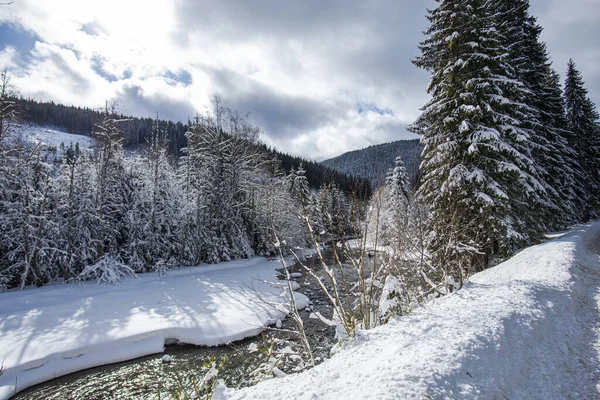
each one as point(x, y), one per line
point(504, 159)
point(125, 206)
point(476, 245)
point(508, 155)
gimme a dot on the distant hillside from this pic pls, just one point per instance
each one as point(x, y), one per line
point(374, 162)
point(56, 121)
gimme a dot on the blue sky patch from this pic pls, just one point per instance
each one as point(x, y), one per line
point(97, 65)
point(18, 38)
point(181, 76)
point(363, 108)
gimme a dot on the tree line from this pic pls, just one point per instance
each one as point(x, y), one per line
point(138, 133)
point(100, 214)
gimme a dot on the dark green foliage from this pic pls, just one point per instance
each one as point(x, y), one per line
point(374, 162)
point(319, 175)
point(477, 165)
point(582, 118)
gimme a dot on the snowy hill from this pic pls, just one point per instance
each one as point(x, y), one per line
point(374, 162)
point(525, 329)
point(49, 137)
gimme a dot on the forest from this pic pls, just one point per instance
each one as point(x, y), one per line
point(105, 213)
point(439, 248)
point(508, 155)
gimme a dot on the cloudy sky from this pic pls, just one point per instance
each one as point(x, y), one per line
point(319, 77)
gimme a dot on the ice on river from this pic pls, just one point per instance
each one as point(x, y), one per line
point(55, 330)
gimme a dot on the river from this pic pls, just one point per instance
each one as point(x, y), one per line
point(144, 377)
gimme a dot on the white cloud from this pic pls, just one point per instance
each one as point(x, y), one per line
point(299, 67)
point(9, 58)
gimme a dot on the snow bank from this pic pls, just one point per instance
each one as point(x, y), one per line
point(526, 329)
point(55, 330)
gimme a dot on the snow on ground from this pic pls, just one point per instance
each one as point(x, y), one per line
point(54, 330)
point(525, 329)
point(52, 137)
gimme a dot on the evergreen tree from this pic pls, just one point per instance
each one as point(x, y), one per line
point(479, 178)
point(166, 202)
point(9, 114)
point(390, 207)
point(299, 189)
point(397, 201)
point(582, 118)
point(76, 213)
point(556, 171)
point(111, 189)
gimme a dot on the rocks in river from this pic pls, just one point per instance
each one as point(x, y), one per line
point(278, 324)
point(295, 275)
point(166, 359)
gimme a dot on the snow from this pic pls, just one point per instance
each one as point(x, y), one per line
point(58, 329)
point(525, 329)
point(52, 137)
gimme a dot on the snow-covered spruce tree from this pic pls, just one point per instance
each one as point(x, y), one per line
point(529, 58)
point(276, 213)
point(298, 187)
point(479, 179)
point(398, 221)
point(110, 189)
point(222, 174)
point(9, 114)
point(75, 213)
point(163, 219)
point(135, 246)
point(397, 198)
point(300, 206)
point(334, 215)
point(212, 215)
point(28, 234)
point(582, 118)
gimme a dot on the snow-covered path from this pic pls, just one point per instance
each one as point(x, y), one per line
point(526, 329)
point(51, 331)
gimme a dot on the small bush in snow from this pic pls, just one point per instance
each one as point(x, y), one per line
point(106, 270)
point(202, 389)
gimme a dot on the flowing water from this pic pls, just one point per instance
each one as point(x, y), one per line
point(144, 377)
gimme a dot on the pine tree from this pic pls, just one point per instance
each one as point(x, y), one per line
point(582, 118)
point(479, 178)
point(9, 114)
point(163, 221)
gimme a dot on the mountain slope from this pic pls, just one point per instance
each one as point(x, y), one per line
point(374, 162)
point(137, 133)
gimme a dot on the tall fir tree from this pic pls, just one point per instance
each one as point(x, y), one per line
point(530, 61)
point(582, 118)
point(479, 178)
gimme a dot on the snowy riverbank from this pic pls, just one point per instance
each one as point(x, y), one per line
point(55, 330)
point(525, 329)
